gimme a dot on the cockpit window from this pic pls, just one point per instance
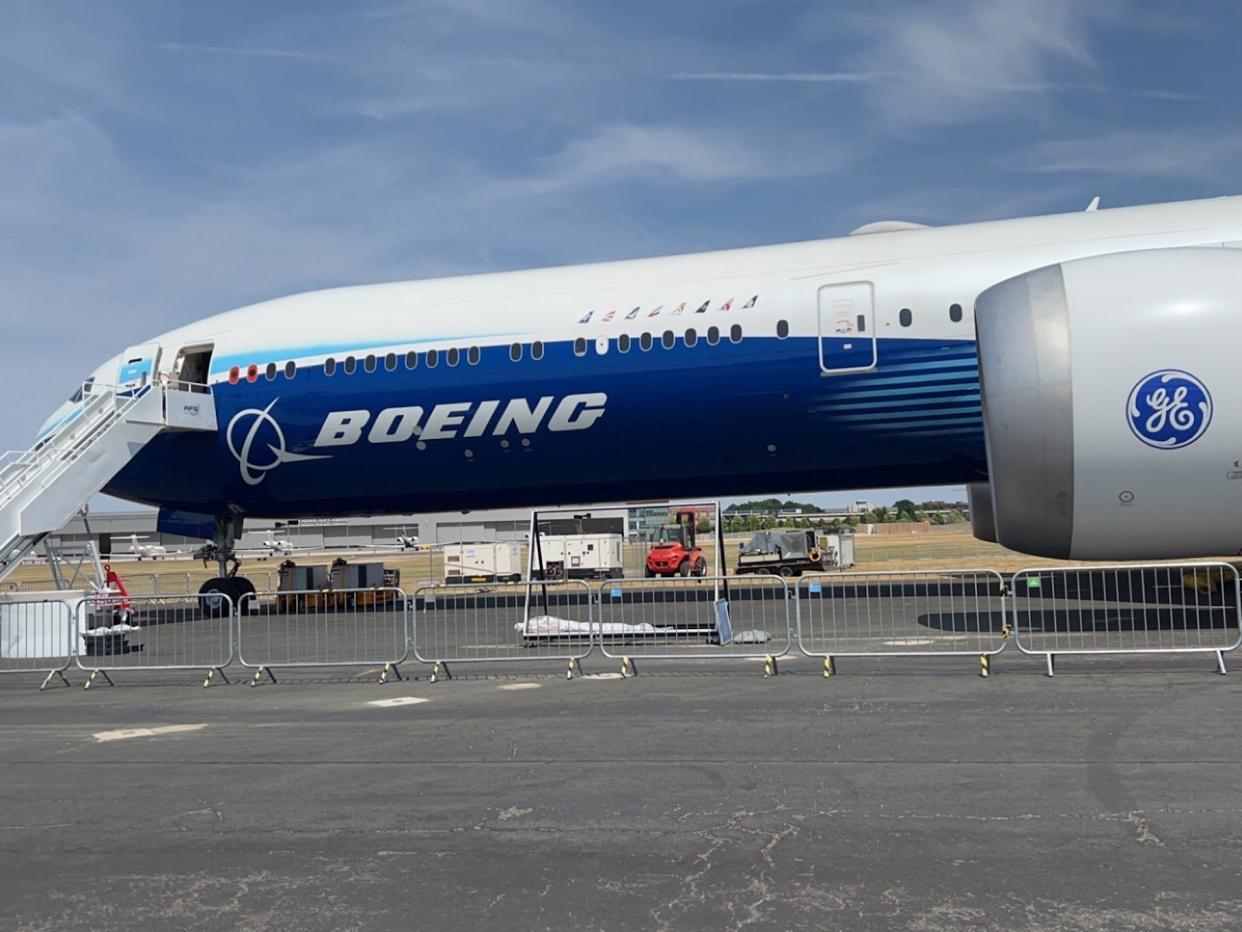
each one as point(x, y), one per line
point(84, 388)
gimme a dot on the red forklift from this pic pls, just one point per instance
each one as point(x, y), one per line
point(675, 550)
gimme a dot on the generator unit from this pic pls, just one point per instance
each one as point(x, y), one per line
point(579, 556)
point(480, 563)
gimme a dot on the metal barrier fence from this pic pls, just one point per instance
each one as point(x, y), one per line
point(323, 628)
point(135, 584)
point(688, 618)
point(501, 622)
point(903, 614)
point(1129, 609)
point(152, 632)
point(36, 637)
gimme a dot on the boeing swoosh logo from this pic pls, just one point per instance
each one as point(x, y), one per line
point(253, 473)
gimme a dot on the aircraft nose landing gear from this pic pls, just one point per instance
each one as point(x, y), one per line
point(217, 594)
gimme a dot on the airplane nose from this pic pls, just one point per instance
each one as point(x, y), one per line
point(62, 415)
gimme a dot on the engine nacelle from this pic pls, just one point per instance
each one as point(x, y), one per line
point(1112, 401)
point(982, 519)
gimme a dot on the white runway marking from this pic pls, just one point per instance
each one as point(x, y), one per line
point(396, 701)
point(600, 676)
point(909, 642)
point(513, 687)
point(122, 734)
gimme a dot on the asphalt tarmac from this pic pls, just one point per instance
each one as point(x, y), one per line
point(908, 794)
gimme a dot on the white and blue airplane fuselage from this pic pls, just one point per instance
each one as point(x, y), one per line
point(828, 365)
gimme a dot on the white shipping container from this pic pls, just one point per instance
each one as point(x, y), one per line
point(482, 562)
point(580, 556)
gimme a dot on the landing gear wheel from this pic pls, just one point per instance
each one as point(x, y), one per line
point(215, 594)
point(244, 588)
point(648, 572)
point(787, 572)
point(684, 567)
point(700, 567)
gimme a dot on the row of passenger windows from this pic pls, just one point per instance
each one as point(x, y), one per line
point(431, 358)
point(905, 316)
point(453, 356)
point(668, 339)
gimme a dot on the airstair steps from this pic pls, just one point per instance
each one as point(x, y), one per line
point(43, 487)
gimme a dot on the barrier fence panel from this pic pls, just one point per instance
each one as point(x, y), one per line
point(1128, 609)
point(36, 636)
point(153, 632)
point(681, 618)
point(502, 622)
point(323, 628)
point(902, 614)
point(172, 584)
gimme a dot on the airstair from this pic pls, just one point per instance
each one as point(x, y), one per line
point(43, 487)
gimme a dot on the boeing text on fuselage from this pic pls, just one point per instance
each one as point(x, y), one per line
point(402, 423)
point(461, 419)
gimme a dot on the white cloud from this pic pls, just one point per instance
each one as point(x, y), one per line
point(947, 61)
point(790, 77)
point(678, 154)
point(1192, 153)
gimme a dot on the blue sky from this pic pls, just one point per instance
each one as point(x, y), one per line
point(162, 161)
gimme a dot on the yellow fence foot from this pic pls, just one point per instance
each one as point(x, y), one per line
point(830, 667)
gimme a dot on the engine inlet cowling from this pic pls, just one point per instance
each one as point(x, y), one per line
point(1111, 389)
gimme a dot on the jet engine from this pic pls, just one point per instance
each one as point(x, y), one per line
point(1112, 402)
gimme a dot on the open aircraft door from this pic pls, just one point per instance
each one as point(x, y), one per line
point(847, 341)
point(137, 368)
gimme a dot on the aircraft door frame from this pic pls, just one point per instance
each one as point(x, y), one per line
point(137, 368)
point(847, 330)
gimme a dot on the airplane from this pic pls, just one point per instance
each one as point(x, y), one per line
point(281, 546)
point(146, 551)
point(1076, 371)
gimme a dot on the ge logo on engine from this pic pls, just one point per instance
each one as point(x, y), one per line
point(1169, 409)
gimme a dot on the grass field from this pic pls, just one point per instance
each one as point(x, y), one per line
point(940, 549)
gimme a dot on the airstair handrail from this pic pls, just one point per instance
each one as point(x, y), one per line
point(48, 458)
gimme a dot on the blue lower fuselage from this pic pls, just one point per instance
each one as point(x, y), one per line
point(690, 421)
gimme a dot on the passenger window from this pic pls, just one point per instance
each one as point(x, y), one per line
point(905, 318)
point(472, 355)
point(623, 343)
point(536, 350)
point(369, 363)
point(329, 366)
point(782, 329)
point(580, 346)
point(667, 340)
point(713, 336)
point(433, 358)
point(390, 362)
point(411, 360)
point(691, 337)
point(515, 352)
point(453, 356)
point(735, 333)
point(955, 313)
point(270, 372)
point(351, 364)
point(291, 369)
point(644, 342)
